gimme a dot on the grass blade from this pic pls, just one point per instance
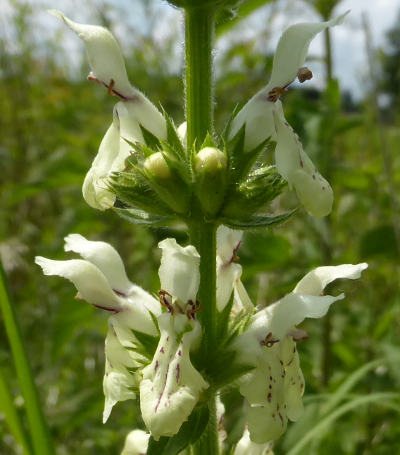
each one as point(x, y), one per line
point(316, 431)
point(348, 384)
point(39, 431)
point(11, 416)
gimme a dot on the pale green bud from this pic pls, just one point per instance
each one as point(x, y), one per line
point(211, 178)
point(157, 167)
point(167, 182)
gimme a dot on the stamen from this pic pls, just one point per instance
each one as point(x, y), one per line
point(268, 341)
point(276, 93)
point(304, 74)
point(163, 297)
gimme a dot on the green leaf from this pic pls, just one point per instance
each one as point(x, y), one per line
point(257, 221)
point(189, 433)
point(134, 190)
point(148, 343)
point(173, 139)
point(242, 11)
point(150, 140)
point(137, 216)
point(208, 142)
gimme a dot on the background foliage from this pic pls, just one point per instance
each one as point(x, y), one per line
point(51, 123)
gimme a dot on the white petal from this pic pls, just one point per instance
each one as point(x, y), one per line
point(116, 388)
point(227, 241)
point(182, 132)
point(241, 300)
point(179, 270)
point(118, 380)
point(257, 114)
point(103, 256)
point(274, 391)
point(315, 281)
point(136, 112)
point(171, 385)
point(280, 317)
point(136, 443)
point(94, 187)
point(296, 167)
point(246, 446)
point(90, 282)
point(227, 274)
point(292, 50)
point(135, 316)
point(104, 54)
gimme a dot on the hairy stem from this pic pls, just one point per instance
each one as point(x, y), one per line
point(199, 34)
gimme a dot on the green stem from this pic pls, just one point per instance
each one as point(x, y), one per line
point(203, 237)
point(208, 443)
point(199, 34)
point(40, 435)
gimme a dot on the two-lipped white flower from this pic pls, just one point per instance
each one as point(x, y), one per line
point(275, 387)
point(246, 446)
point(101, 280)
point(130, 114)
point(263, 118)
point(136, 443)
point(171, 386)
point(229, 271)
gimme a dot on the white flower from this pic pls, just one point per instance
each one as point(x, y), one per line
point(136, 443)
point(246, 446)
point(130, 114)
point(102, 281)
point(171, 386)
point(275, 387)
point(229, 272)
point(179, 270)
point(263, 118)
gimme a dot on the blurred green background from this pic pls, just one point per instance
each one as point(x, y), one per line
point(51, 123)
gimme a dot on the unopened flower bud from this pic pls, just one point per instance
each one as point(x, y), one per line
point(210, 159)
point(167, 182)
point(156, 165)
point(211, 178)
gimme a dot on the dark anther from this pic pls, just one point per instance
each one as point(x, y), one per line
point(193, 308)
point(268, 341)
point(163, 296)
point(304, 74)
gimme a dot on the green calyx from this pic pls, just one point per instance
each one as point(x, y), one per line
point(162, 181)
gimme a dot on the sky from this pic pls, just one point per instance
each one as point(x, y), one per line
point(349, 48)
point(349, 56)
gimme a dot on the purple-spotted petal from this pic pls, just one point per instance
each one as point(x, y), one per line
point(171, 385)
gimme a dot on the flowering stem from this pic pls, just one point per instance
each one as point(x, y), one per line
point(203, 237)
point(199, 33)
point(40, 435)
